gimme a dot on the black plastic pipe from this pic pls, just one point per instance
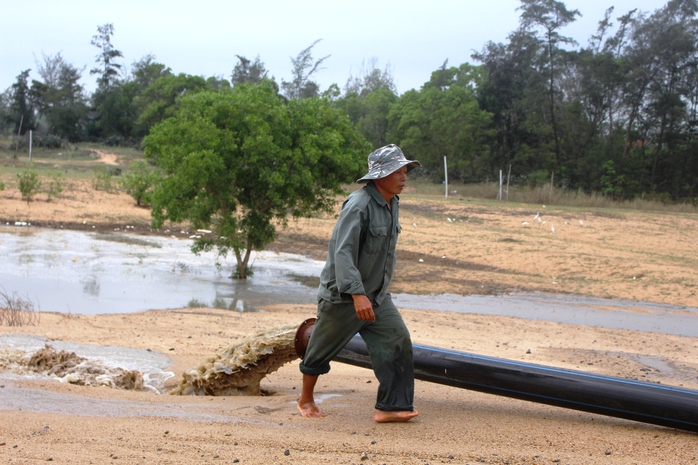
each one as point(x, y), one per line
point(617, 397)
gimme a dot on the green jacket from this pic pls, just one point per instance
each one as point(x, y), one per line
point(361, 252)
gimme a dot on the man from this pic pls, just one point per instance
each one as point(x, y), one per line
point(353, 297)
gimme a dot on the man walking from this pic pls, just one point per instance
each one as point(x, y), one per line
point(353, 297)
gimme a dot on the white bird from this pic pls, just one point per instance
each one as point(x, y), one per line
point(537, 217)
point(525, 223)
point(414, 224)
point(581, 223)
point(552, 228)
point(449, 220)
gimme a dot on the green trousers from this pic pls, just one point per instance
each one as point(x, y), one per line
point(387, 340)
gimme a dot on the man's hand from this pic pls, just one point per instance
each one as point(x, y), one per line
point(363, 307)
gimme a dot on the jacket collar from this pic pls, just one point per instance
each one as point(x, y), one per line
point(375, 193)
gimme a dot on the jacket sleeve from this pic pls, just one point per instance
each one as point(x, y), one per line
point(347, 248)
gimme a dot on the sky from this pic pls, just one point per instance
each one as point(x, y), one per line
point(409, 38)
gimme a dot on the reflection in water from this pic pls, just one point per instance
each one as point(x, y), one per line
point(223, 303)
point(90, 286)
point(89, 273)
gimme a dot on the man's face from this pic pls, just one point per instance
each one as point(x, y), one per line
point(392, 184)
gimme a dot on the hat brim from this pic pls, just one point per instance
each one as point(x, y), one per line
point(382, 173)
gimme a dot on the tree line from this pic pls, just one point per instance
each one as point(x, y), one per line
point(616, 115)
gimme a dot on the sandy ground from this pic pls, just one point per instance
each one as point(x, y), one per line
point(455, 246)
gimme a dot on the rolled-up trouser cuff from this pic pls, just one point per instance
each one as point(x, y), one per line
point(314, 371)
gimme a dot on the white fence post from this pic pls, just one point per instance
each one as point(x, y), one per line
point(499, 195)
point(446, 175)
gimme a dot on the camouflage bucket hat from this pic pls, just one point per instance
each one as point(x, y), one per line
point(385, 161)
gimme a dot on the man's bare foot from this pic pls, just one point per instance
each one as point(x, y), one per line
point(309, 410)
point(384, 416)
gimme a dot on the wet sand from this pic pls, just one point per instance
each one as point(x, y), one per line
point(44, 420)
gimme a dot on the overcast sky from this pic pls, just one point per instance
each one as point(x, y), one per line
point(202, 38)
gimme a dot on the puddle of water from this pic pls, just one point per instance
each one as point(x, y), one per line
point(91, 273)
point(568, 309)
point(658, 363)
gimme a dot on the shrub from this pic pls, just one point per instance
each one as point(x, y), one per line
point(138, 182)
point(48, 141)
point(103, 180)
point(16, 310)
point(29, 184)
point(55, 186)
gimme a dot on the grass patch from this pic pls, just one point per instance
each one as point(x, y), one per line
point(79, 160)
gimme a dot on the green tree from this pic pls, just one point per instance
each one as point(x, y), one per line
point(304, 68)
point(673, 32)
point(549, 16)
point(20, 115)
point(445, 119)
point(368, 99)
point(591, 123)
point(248, 72)
point(512, 94)
point(107, 68)
point(108, 103)
point(5, 98)
point(370, 79)
point(60, 99)
point(242, 160)
point(128, 111)
point(159, 100)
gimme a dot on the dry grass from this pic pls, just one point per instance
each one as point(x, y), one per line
point(16, 310)
point(544, 195)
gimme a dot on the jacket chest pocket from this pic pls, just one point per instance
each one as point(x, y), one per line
point(377, 239)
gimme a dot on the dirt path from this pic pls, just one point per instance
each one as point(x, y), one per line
point(107, 158)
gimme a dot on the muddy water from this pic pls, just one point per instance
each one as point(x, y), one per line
point(83, 364)
point(93, 273)
point(121, 272)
